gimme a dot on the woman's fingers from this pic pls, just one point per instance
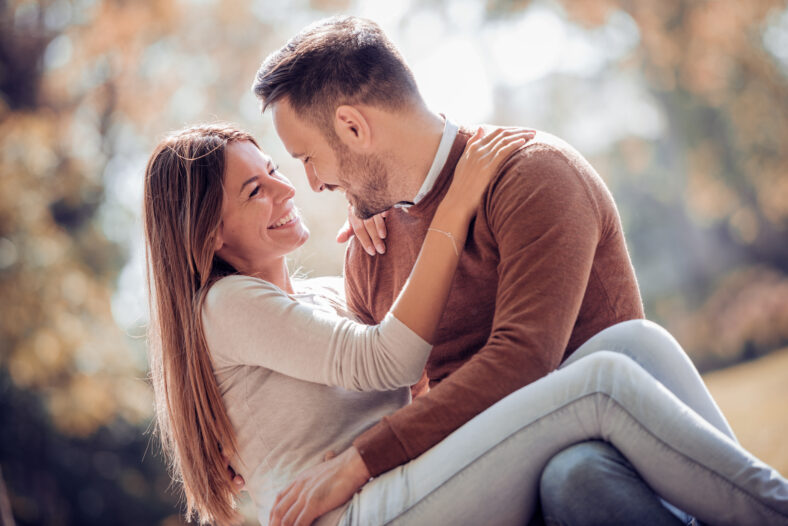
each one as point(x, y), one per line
point(360, 231)
point(374, 235)
point(508, 137)
point(495, 142)
point(491, 141)
point(509, 146)
point(345, 232)
point(480, 139)
point(381, 225)
point(369, 232)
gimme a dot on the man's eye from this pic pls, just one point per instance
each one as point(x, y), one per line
point(306, 159)
point(255, 191)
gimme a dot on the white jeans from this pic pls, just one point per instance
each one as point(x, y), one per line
point(631, 385)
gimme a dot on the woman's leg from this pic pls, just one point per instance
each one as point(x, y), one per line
point(487, 472)
point(592, 471)
point(657, 351)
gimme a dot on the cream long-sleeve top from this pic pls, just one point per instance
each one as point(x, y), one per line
point(299, 376)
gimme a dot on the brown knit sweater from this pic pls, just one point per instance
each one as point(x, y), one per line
point(544, 268)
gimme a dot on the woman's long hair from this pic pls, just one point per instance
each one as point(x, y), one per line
point(182, 213)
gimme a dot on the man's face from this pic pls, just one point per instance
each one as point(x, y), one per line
point(363, 178)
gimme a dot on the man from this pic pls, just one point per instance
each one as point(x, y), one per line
point(545, 266)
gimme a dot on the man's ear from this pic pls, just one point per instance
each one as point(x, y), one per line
point(352, 128)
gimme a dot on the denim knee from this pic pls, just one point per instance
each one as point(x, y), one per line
point(571, 473)
point(591, 483)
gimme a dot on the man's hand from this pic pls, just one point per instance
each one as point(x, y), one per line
point(319, 490)
point(369, 232)
point(421, 387)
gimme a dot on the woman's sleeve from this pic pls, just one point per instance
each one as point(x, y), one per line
point(248, 321)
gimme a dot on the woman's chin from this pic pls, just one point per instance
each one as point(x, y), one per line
point(303, 237)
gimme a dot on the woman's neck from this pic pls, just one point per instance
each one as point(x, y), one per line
point(276, 273)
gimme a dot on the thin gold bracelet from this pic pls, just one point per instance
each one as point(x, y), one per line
point(450, 236)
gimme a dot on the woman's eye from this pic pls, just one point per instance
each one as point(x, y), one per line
point(273, 170)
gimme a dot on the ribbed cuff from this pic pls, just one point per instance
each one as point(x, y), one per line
point(380, 449)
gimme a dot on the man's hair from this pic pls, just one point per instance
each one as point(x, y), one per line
point(336, 61)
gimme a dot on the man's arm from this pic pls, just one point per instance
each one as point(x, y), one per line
point(546, 226)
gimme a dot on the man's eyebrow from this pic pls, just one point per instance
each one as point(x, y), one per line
point(250, 180)
point(296, 155)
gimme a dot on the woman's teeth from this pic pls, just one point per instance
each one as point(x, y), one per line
point(289, 217)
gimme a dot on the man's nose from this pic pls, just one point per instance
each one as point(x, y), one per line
point(314, 183)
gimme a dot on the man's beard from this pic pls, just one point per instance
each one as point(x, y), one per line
point(372, 196)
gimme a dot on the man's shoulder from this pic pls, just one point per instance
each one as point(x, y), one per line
point(547, 160)
point(546, 150)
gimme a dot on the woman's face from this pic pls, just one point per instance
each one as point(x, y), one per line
point(260, 223)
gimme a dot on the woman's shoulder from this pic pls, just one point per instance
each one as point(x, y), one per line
point(331, 289)
point(236, 290)
point(332, 286)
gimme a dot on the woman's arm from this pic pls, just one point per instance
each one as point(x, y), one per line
point(423, 298)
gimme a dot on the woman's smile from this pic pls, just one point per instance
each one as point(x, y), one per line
point(289, 219)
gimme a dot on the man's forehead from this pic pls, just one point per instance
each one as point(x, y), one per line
point(283, 112)
point(285, 118)
point(297, 135)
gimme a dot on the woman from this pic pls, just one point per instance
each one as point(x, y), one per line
point(248, 364)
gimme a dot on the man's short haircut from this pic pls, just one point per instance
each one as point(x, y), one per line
point(336, 61)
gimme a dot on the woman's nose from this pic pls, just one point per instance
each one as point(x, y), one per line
point(284, 190)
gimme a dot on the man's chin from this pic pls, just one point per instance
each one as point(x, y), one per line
point(359, 208)
point(366, 212)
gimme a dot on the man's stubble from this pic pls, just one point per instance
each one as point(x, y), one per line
point(371, 194)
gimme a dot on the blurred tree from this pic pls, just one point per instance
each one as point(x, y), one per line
point(713, 192)
point(86, 87)
point(69, 402)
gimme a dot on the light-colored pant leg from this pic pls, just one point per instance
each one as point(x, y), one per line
point(657, 351)
point(487, 471)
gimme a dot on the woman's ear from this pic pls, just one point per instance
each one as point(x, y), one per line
point(352, 128)
point(218, 240)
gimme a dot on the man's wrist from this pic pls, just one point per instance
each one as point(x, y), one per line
point(355, 467)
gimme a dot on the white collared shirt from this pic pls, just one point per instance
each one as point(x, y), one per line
point(447, 140)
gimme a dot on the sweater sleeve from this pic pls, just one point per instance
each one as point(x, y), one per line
point(546, 227)
point(353, 289)
point(248, 321)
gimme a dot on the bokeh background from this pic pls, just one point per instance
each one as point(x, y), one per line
point(682, 106)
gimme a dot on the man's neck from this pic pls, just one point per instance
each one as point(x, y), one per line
point(417, 137)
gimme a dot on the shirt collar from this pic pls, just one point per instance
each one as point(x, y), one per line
point(449, 134)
